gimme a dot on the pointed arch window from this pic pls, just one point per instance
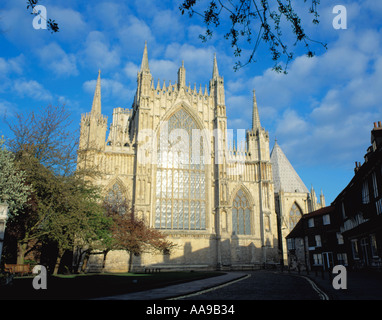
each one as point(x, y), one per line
point(116, 199)
point(295, 215)
point(180, 178)
point(241, 217)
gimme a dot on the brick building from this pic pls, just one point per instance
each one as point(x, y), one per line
point(349, 232)
point(316, 243)
point(359, 207)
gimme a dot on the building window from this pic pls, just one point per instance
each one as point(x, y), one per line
point(291, 244)
point(340, 238)
point(180, 178)
point(116, 200)
point(375, 186)
point(354, 247)
point(317, 259)
point(378, 206)
point(365, 193)
point(326, 219)
point(311, 223)
point(343, 210)
point(342, 258)
point(241, 222)
point(294, 216)
point(318, 240)
point(373, 244)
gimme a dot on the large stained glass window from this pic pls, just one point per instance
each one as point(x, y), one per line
point(116, 199)
point(294, 216)
point(241, 214)
point(180, 178)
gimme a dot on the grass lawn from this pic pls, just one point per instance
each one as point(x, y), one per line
point(85, 286)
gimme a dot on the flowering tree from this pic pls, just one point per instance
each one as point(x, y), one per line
point(132, 234)
point(13, 189)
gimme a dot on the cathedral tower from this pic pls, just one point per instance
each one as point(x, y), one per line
point(94, 124)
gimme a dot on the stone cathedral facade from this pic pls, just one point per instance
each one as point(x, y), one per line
point(170, 156)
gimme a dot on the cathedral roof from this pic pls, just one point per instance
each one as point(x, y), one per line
point(284, 175)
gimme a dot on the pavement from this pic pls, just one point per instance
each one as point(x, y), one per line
point(180, 290)
point(359, 286)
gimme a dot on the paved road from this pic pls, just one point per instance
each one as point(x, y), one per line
point(265, 285)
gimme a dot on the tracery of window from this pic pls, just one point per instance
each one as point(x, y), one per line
point(116, 200)
point(180, 178)
point(294, 216)
point(241, 220)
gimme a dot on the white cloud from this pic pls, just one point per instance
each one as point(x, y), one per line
point(166, 23)
point(32, 89)
point(98, 53)
point(163, 70)
point(291, 124)
point(10, 68)
point(198, 61)
point(325, 107)
point(242, 103)
point(16, 25)
point(6, 107)
point(131, 70)
point(134, 33)
point(193, 32)
point(110, 89)
point(70, 22)
point(57, 60)
point(108, 15)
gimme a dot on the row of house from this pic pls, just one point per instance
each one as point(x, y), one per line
point(349, 231)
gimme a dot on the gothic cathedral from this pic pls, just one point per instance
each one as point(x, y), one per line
point(224, 206)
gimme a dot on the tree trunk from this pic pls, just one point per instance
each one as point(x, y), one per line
point(21, 250)
point(104, 260)
point(130, 267)
point(85, 263)
point(58, 261)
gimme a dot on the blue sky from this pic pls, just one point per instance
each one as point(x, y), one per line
point(322, 112)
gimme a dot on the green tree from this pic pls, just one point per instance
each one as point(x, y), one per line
point(63, 211)
point(63, 207)
point(81, 221)
point(253, 21)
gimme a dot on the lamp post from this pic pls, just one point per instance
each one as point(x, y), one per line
point(3, 220)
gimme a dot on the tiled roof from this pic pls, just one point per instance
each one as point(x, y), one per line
point(284, 175)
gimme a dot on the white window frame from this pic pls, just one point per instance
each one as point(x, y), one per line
point(326, 219)
point(365, 192)
point(317, 237)
point(342, 257)
point(355, 249)
point(311, 223)
point(373, 246)
point(378, 205)
point(343, 210)
point(375, 185)
point(317, 259)
point(340, 238)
